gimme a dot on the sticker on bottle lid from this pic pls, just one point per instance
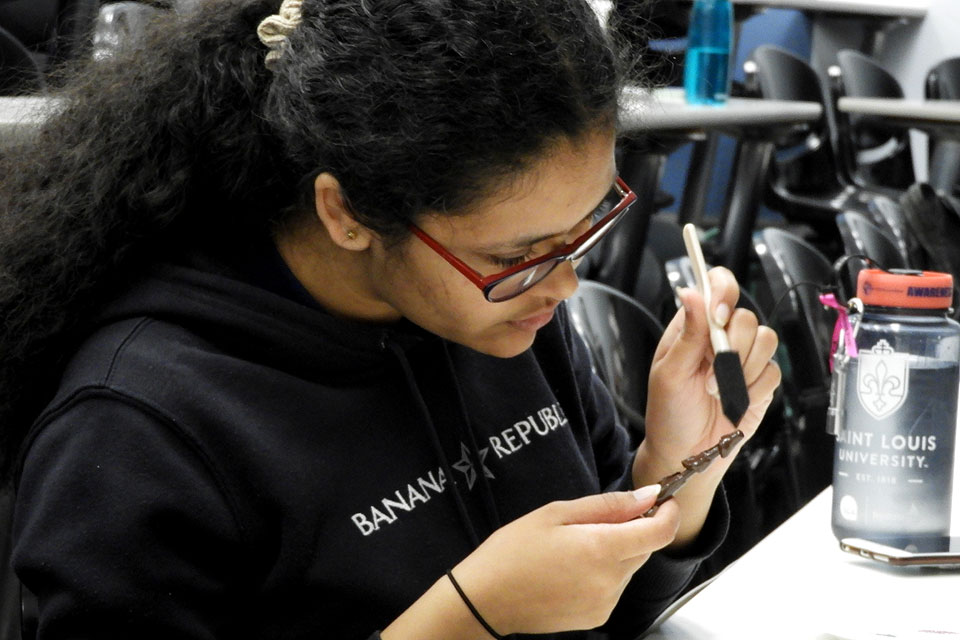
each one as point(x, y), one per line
point(906, 289)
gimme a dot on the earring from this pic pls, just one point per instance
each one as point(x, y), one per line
point(351, 234)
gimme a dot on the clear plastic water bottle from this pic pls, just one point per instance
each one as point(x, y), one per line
point(895, 409)
point(706, 69)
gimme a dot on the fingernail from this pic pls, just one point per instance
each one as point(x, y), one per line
point(721, 314)
point(712, 387)
point(643, 494)
point(679, 291)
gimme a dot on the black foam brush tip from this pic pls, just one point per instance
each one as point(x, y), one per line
point(734, 398)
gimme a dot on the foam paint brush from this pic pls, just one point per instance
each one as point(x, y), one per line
point(732, 387)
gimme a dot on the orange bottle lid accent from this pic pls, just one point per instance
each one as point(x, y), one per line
point(907, 289)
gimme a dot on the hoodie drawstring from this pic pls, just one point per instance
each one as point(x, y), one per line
point(435, 441)
point(488, 502)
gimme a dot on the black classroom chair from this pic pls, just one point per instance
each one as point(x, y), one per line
point(808, 183)
point(934, 221)
point(876, 155)
point(622, 337)
point(943, 83)
point(794, 274)
point(861, 237)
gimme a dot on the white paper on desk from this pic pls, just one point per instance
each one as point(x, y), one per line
point(875, 602)
point(902, 633)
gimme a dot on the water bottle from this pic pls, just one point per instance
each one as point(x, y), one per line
point(894, 408)
point(707, 65)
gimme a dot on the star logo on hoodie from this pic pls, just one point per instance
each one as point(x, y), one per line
point(465, 466)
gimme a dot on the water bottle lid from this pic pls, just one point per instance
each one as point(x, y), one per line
point(905, 288)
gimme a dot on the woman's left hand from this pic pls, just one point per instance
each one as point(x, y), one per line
point(684, 415)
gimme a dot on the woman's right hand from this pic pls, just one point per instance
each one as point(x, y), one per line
point(565, 565)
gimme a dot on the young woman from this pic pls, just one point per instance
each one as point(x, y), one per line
point(285, 349)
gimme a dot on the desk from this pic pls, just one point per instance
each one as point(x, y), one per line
point(19, 117)
point(666, 110)
point(665, 115)
point(939, 118)
point(869, 8)
point(796, 584)
point(877, 8)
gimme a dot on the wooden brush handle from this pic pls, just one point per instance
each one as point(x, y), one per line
point(718, 337)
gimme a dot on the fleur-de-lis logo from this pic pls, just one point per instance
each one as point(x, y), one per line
point(882, 387)
point(883, 378)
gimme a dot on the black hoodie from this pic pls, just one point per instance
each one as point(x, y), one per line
point(224, 459)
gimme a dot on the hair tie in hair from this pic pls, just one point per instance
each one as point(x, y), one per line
point(273, 30)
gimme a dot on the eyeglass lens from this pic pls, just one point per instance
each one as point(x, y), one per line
point(519, 282)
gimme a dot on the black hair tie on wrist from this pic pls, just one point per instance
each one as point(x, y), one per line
point(473, 609)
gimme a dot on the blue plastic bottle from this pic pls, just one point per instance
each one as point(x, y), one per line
point(706, 70)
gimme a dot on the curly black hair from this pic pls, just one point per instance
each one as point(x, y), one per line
point(187, 139)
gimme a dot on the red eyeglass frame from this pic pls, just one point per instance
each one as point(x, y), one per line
point(487, 283)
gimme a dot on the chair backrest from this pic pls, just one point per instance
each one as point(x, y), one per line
point(795, 272)
point(860, 236)
point(943, 80)
point(781, 75)
point(864, 77)
point(622, 337)
point(881, 152)
point(934, 220)
point(943, 83)
point(887, 214)
point(784, 76)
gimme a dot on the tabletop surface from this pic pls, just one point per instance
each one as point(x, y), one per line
point(934, 111)
point(21, 115)
point(797, 584)
point(666, 109)
point(16, 109)
point(885, 8)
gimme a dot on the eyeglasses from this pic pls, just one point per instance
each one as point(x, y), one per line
point(512, 282)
